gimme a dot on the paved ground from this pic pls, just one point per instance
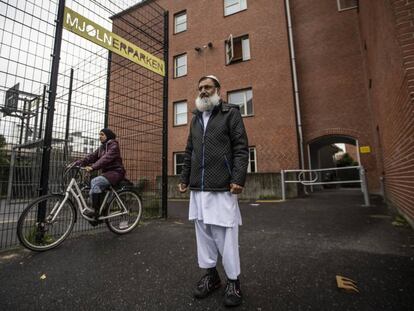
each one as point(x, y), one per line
point(290, 255)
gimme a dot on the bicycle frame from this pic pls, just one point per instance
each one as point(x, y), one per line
point(74, 190)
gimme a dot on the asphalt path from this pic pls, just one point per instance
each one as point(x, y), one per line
point(290, 253)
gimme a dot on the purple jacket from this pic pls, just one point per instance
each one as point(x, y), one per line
point(107, 158)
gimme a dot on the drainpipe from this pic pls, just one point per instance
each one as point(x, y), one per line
point(295, 83)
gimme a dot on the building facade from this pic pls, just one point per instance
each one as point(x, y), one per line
point(306, 74)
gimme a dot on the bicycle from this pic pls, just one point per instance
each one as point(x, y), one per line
point(48, 220)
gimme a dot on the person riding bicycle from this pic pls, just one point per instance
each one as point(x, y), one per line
point(108, 159)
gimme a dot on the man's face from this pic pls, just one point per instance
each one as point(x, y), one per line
point(206, 88)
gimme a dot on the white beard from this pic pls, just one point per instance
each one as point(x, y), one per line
point(207, 103)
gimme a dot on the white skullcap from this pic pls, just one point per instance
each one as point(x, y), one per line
point(210, 77)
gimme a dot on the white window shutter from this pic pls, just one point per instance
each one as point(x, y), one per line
point(229, 49)
point(246, 49)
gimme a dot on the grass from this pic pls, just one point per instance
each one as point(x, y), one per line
point(31, 238)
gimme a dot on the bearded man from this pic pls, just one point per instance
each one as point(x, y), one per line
point(215, 167)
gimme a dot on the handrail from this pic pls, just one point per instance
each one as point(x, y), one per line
point(313, 179)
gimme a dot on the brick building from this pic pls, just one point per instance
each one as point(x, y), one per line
point(354, 65)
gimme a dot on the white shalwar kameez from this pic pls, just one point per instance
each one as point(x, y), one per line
point(217, 219)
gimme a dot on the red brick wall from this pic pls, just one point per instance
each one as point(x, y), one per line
point(272, 129)
point(387, 30)
point(136, 99)
point(332, 83)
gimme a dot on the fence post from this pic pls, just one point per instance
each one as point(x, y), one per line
point(108, 85)
point(42, 111)
point(364, 186)
point(66, 148)
point(47, 143)
point(164, 192)
point(282, 179)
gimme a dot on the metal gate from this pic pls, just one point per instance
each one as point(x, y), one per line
point(67, 70)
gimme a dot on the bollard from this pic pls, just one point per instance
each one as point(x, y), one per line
point(364, 186)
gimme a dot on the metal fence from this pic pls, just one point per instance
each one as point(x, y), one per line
point(58, 90)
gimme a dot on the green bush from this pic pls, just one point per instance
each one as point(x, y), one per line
point(346, 160)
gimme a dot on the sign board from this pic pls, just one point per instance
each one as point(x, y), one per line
point(91, 31)
point(365, 149)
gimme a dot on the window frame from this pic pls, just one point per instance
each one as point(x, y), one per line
point(340, 9)
point(175, 112)
point(175, 58)
point(240, 5)
point(229, 47)
point(249, 168)
point(175, 161)
point(178, 14)
point(245, 103)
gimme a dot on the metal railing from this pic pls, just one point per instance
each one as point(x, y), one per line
point(312, 177)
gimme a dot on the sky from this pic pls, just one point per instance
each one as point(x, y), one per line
point(26, 43)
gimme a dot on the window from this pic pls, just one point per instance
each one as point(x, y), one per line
point(234, 6)
point(85, 149)
point(252, 168)
point(92, 142)
point(243, 98)
point(347, 4)
point(180, 65)
point(85, 141)
point(178, 162)
point(91, 150)
point(237, 49)
point(180, 113)
point(180, 22)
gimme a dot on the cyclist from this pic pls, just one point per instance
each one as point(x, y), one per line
point(108, 159)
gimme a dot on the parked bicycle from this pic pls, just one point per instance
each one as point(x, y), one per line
point(48, 220)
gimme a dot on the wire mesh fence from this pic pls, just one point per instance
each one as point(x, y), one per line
point(96, 88)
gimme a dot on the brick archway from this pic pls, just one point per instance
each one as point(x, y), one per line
point(351, 133)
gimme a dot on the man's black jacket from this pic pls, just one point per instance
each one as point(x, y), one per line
point(219, 156)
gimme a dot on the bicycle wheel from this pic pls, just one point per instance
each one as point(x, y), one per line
point(37, 231)
point(124, 223)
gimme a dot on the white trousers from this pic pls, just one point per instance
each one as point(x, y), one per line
point(212, 240)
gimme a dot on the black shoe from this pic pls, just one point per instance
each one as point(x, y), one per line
point(232, 295)
point(96, 205)
point(207, 284)
point(89, 213)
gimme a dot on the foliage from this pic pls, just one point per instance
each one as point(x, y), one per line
point(346, 160)
point(4, 160)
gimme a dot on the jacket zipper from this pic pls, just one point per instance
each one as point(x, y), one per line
point(227, 164)
point(202, 157)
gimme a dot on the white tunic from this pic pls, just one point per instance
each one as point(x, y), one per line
point(214, 208)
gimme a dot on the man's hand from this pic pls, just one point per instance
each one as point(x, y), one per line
point(88, 169)
point(235, 189)
point(182, 187)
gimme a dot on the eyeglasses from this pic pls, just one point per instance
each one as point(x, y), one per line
point(206, 87)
